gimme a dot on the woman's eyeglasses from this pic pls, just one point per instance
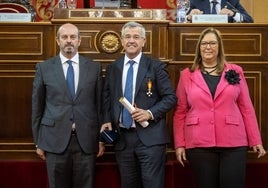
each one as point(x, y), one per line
point(212, 44)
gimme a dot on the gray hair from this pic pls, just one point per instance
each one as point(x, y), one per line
point(133, 25)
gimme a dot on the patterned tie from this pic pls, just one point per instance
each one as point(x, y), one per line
point(127, 119)
point(213, 11)
point(70, 78)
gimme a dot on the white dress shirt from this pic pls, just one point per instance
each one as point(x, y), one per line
point(75, 64)
point(237, 16)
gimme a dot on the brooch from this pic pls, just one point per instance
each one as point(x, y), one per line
point(149, 87)
point(232, 77)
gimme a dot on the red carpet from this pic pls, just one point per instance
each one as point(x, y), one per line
point(32, 174)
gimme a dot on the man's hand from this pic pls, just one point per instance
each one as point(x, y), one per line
point(41, 153)
point(101, 149)
point(106, 126)
point(193, 11)
point(227, 11)
point(141, 115)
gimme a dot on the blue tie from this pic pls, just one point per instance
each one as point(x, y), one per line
point(70, 78)
point(213, 11)
point(127, 119)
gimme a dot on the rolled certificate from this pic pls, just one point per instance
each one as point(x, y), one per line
point(131, 108)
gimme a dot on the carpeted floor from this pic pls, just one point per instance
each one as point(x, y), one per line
point(32, 174)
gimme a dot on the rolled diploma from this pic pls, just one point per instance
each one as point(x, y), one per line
point(131, 108)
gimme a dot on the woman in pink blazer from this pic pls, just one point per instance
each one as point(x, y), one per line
point(214, 120)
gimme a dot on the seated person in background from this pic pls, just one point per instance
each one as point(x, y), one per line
point(233, 8)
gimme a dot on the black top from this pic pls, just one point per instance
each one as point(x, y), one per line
point(212, 82)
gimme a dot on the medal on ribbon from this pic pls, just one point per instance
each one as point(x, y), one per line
point(149, 87)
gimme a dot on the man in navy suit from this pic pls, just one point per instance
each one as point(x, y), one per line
point(140, 151)
point(66, 125)
point(233, 8)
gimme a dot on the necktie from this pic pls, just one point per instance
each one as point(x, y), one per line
point(214, 3)
point(127, 119)
point(70, 78)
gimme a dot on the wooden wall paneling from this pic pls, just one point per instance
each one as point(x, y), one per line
point(256, 74)
point(23, 45)
point(101, 41)
point(242, 42)
point(174, 68)
point(29, 41)
point(174, 44)
point(159, 37)
point(15, 100)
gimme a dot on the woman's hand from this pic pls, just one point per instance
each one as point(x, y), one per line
point(259, 149)
point(181, 155)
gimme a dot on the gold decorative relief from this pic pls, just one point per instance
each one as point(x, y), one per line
point(110, 42)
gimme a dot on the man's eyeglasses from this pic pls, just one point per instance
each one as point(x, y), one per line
point(212, 44)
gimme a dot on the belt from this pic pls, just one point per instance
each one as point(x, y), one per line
point(73, 132)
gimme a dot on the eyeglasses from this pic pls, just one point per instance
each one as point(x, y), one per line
point(212, 44)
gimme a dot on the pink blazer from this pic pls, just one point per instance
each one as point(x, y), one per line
point(228, 120)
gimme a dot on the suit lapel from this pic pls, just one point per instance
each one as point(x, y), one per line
point(117, 72)
point(223, 3)
point(83, 71)
point(119, 66)
point(206, 8)
point(59, 75)
point(143, 68)
point(198, 79)
point(222, 84)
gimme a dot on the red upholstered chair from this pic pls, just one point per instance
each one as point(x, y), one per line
point(17, 6)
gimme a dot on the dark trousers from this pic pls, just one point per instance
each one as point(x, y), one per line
point(141, 166)
point(218, 167)
point(71, 169)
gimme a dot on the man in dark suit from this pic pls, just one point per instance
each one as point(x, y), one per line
point(233, 8)
point(141, 150)
point(66, 117)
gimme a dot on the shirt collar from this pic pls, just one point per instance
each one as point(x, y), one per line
point(75, 58)
point(136, 59)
